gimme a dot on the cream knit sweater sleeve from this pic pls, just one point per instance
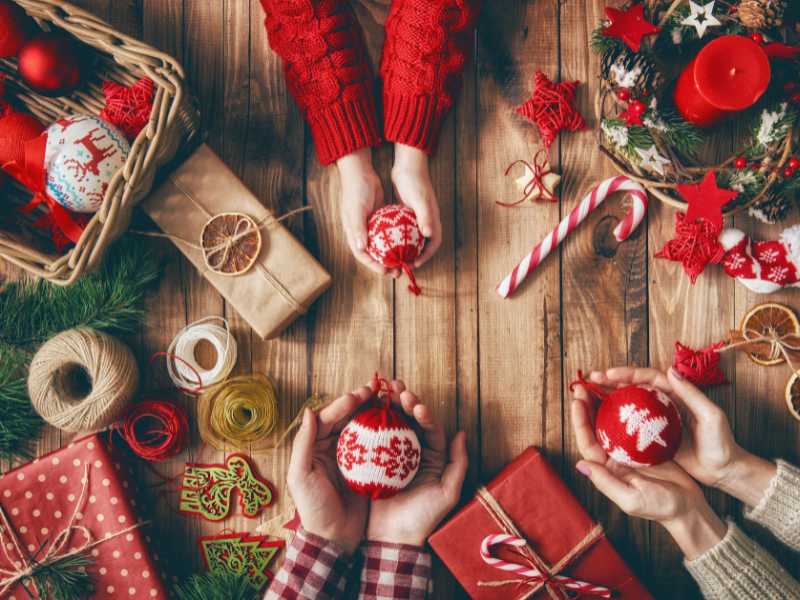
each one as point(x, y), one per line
point(738, 567)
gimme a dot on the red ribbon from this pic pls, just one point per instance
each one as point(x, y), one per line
point(539, 168)
point(784, 51)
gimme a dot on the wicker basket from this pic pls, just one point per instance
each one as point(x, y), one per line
point(173, 127)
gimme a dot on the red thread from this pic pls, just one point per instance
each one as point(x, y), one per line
point(593, 389)
point(700, 367)
point(155, 430)
point(552, 108)
point(128, 108)
point(539, 168)
point(190, 391)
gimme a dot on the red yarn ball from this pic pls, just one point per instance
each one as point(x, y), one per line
point(16, 128)
point(51, 64)
point(156, 430)
point(15, 28)
point(638, 426)
point(378, 452)
point(395, 240)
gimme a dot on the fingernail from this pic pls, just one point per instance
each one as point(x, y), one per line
point(676, 374)
point(426, 231)
point(361, 244)
point(583, 469)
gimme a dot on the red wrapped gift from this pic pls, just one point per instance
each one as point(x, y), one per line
point(525, 536)
point(74, 501)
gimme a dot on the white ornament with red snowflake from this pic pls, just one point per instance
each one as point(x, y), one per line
point(763, 266)
point(378, 452)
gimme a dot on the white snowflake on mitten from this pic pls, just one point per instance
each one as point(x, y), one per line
point(769, 256)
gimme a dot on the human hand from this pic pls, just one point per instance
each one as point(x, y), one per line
point(410, 516)
point(412, 181)
point(708, 452)
point(327, 507)
point(664, 493)
point(362, 194)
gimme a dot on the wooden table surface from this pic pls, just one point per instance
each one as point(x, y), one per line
point(498, 369)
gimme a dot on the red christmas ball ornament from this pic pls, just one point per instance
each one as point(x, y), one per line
point(395, 240)
point(788, 172)
point(757, 37)
point(740, 163)
point(638, 426)
point(624, 95)
point(378, 451)
point(637, 107)
point(794, 163)
point(51, 64)
point(16, 28)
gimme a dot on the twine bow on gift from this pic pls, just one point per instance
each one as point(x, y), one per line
point(542, 183)
point(24, 567)
point(533, 571)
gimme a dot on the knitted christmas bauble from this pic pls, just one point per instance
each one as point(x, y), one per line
point(638, 426)
point(378, 452)
point(83, 154)
point(395, 240)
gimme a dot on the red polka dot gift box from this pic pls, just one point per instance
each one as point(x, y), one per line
point(75, 501)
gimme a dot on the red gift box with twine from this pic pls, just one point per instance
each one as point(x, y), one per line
point(525, 536)
point(74, 501)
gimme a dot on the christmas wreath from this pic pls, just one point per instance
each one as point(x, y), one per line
point(652, 51)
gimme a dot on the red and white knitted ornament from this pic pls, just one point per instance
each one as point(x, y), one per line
point(378, 452)
point(395, 240)
point(763, 266)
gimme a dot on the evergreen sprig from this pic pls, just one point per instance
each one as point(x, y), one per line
point(680, 134)
point(64, 578)
point(216, 586)
point(19, 423)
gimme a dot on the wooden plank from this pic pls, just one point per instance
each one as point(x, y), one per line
point(519, 347)
point(604, 286)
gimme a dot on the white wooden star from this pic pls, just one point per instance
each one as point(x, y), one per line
point(651, 159)
point(550, 182)
point(701, 17)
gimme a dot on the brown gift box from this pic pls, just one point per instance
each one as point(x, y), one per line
point(285, 279)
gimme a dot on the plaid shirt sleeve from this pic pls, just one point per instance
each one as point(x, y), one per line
point(395, 572)
point(314, 569)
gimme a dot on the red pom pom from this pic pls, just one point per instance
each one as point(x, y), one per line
point(16, 128)
point(638, 426)
point(395, 240)
point(378, 452)
point(50, 64)
point(700, 367)
point(15, 28)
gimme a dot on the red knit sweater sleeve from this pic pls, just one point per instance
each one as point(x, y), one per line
point(424, 54)
point(327, 72)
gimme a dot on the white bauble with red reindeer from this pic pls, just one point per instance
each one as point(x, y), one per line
point(638, 426)
point(378, 452)
point(82, 155)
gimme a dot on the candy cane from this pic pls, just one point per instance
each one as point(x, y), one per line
point(575, 218)
point(527, 572)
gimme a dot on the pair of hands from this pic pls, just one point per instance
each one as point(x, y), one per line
point(329, 509)
point(362, 194)
point(668, 493)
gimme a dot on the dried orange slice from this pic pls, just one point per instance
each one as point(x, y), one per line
point(793, 395)
point(231, 243)
point(772, 320)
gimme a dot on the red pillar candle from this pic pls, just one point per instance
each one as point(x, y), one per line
point(728, 75)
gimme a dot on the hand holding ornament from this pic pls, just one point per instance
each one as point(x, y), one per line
point(325, 505)
point(411, 515)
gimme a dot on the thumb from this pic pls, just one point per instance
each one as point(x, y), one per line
point(302, 458)
point(425, 218)
point(456, 469)
point(611, 486)
point(695, 401)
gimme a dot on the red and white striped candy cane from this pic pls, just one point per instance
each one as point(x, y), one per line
point(532, 574)
point(575, 218)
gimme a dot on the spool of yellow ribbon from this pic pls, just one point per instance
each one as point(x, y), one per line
point(243, 413)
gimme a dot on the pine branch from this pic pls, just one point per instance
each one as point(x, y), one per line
point(64, 579)
point(216, 586)
point(19, 423)
point(109, 300)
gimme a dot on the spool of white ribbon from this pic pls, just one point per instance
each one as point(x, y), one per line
point(184, 370)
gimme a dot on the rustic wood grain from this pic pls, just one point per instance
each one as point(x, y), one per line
point(498, 369)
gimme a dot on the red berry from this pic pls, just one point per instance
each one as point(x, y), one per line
point(624, 95)
point(794, 163)
point(740, 162)
point(788, 172)
point(637, 107)
point(757, 37)
point(796, 98)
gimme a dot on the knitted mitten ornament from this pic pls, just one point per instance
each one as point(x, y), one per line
point(378, 452)
point(763, 266)
point(395, 240)
point(636, 425)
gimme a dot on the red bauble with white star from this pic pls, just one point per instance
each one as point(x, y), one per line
point(378, 452)
point(395, 240)
point(638, 426)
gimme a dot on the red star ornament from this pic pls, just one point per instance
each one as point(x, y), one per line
point(630, 26)
point(128, 108)
point(552, 108)
point(695, 245)
point(706, 200)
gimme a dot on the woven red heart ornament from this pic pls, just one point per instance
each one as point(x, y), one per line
point(378, 451)
point(395, 240)
point(638, 426)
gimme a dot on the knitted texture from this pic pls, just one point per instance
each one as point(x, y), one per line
point(423, 56)
point(378, 452)
point(638, 426)
point(739, 568)
point(395, 240)
point(779, 509)
point(327, 71)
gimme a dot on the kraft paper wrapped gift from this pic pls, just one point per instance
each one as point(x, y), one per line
point(285, 279)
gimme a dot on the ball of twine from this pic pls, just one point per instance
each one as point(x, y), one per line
point(82, 380)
